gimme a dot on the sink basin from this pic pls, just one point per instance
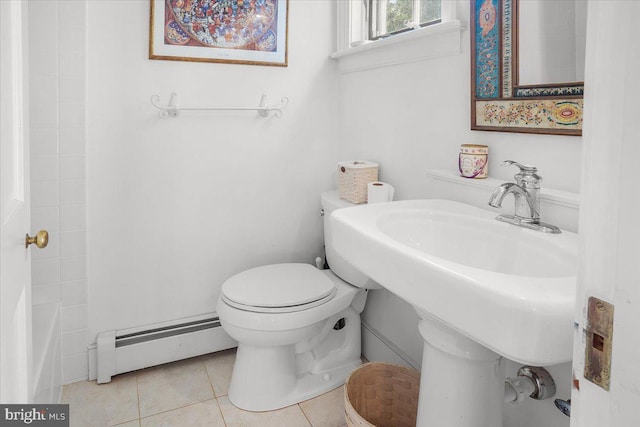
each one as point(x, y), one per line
point(508, 288)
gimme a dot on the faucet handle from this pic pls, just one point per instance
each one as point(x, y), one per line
point(527, 177)
point(523, 168)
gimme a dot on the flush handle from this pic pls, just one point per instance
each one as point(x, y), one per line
point(41, 239)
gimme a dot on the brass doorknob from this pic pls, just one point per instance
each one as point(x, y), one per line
point(41, 239)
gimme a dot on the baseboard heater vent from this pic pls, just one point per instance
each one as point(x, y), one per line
point(121, 351)
point(167, 331)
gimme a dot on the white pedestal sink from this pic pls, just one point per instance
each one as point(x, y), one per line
point(482, 288)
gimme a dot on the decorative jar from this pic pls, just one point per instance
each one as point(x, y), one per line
point(473, 161)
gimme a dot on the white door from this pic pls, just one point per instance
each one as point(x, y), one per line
point(15, 278)
point(609, 265)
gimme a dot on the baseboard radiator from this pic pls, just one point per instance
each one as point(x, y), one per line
point(117, 352)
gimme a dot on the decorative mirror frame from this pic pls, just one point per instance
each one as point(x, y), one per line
point(498, 103)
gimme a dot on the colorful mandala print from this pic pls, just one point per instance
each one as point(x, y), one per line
point(487, 17)
point(532, 114)
point(229, 24)
point(567, 113)
point(487, 56)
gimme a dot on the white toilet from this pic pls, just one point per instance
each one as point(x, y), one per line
point(297, 327)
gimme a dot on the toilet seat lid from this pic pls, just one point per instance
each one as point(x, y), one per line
point(278, 288)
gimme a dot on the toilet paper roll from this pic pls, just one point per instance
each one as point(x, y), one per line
point(378, 192)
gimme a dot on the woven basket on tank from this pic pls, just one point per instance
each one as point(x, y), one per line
point(353, 177)
point(382, 395)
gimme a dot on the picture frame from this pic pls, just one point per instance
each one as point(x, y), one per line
point(498, 101)
point(250, 32)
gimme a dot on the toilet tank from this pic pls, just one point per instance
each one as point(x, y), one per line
point(330, 201)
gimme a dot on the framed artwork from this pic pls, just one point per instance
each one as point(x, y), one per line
point(229, 31)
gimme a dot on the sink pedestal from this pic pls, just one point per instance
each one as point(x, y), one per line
point(462, 382)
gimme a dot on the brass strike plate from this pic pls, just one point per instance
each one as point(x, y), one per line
point(599, 334)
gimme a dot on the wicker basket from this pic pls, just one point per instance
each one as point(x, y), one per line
point(353, 177)
point(382, 395)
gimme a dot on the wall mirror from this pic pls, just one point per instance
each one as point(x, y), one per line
point(527, 66)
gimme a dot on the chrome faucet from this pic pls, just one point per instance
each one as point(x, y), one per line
point(525, 192)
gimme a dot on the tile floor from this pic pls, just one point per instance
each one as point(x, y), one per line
point(188, 393)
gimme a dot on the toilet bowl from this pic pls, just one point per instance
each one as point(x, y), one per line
point(297, 327)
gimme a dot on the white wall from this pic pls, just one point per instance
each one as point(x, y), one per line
point(176, 206)
point(412, 117)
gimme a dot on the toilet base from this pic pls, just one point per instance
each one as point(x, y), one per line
point(304, 387)
point(266, 378)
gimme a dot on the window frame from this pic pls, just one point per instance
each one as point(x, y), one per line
point(378, 26)
point(353, 25)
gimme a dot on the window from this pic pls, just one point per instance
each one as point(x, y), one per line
point(364, 25)
point(387, 17)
